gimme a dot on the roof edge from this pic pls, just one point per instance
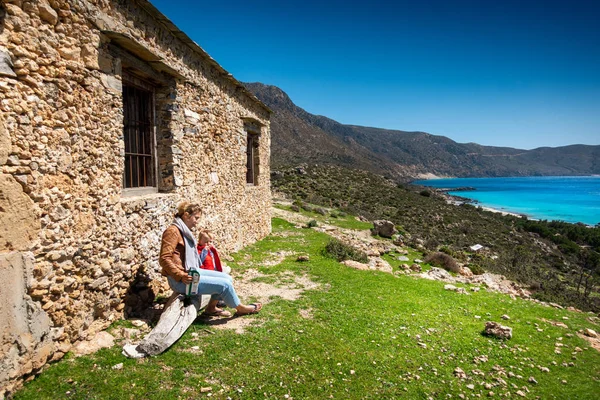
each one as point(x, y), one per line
point(179, 34)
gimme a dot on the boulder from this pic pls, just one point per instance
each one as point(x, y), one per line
point(384, 228)
point(590, 333)
point(355, 264)
point(101, 340)
point(497, 330)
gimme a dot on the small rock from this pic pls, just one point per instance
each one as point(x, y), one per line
point(544, 369)
point(118, 366)
point(520, 393)
point(459, 373)
point(506, 317)
point(590, 333)
point(138, 323)
point(450, 287)
point(303, 258)
point(532, 380)
point(205, 389)
point(471, 386)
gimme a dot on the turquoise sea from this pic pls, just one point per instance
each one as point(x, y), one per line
point(564, 198)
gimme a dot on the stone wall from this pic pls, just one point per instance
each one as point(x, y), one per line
point(77, 250)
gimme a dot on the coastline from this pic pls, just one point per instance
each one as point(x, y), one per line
point(571, 199)
point(458, 200)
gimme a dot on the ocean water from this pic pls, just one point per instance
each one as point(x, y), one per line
point(564, 198)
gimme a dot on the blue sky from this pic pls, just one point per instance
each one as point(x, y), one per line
point(521, 74)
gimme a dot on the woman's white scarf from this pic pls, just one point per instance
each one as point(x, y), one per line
point(192, 260)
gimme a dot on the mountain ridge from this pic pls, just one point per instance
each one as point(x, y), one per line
point(299, 137)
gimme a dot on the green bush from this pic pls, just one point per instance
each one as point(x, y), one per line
point(342, 251)
point(447, 250)
point(476, 269)
point(311, 224)
point(443, 260)
point(425, 193)
point(306, 207)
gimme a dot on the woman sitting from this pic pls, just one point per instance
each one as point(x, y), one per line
point(178, 256)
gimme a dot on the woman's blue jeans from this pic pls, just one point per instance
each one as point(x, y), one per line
point(217, 284)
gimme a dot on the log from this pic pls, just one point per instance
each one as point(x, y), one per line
point(179, 313)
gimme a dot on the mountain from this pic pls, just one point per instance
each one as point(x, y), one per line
point(300, 137)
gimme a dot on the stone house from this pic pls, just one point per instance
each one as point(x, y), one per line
point(110, 117)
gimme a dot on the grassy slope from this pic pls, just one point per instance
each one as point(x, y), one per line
point(521, 256)
point(362, 321)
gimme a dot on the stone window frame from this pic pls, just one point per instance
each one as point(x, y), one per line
point(130, 80)
point(252, 129)
point(136, 61)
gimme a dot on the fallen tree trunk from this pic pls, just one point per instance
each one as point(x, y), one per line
point(179, 313)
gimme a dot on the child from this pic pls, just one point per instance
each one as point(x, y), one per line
point(209, 257)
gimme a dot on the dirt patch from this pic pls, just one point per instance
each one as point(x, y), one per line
point(307, 313)
point(270, 260)
point(556, 323)
point(286, 286)
point(594, 342)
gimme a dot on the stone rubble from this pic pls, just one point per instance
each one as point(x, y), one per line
point(496, 330)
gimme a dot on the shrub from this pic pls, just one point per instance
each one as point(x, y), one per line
point(342, 251)
point(321, 211)
point(425, 193)
point(431, 243)
point(311, 224)
point(442, 260)
point(295, 208)
point(476, 269)
point(447, 250)
point(306, 207)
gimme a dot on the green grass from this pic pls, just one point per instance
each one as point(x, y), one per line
point(347, 221)
point(361, 343)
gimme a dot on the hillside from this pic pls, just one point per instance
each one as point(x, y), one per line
point(300, 137)
point(559, 260)
point(327, 330)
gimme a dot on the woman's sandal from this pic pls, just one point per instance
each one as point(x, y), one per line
point(257, 308)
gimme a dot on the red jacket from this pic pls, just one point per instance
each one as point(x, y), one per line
point(209, 258)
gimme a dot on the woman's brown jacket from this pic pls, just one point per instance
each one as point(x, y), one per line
point(172, 254)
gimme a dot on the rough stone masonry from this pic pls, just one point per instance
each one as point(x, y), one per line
point(81, 213)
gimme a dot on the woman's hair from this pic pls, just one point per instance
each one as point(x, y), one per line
point(186, 207)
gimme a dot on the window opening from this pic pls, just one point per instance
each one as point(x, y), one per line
point(139, 136)
point(252, 159)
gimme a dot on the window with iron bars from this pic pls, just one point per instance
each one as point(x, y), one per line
point(252, 159)
point(138, 134)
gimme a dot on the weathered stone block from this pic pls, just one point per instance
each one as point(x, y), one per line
point(6, 65)
point(18, 223)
